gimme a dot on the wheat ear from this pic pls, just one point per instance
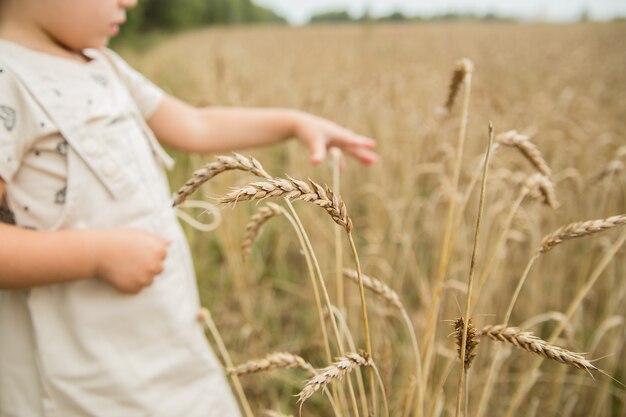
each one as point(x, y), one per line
point(472, 340)
point(580, 229)
point(294, 189)
point(337, 371)
point(522, 142)
point(278, 360)
point(212, 169)
point(461, 69)
point(531, 343)
point(540, 185)
point(376, 286)
point(258, 219)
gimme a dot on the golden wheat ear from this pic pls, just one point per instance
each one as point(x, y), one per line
point(527, 148)
point(580, 229)
point(293, 189)
point(258, 219)
point(278, 360)
point(213, 169)
point(531, 343)
point(463, 68)
point(471, 342)
point(335, 372)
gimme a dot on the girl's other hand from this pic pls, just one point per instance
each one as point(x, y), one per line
point(130, 259)
point(319, 134)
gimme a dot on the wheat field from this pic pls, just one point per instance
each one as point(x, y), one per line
point(562, 88)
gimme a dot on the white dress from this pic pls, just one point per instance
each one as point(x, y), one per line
point(76, 153)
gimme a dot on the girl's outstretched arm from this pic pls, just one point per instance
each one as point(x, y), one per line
point(219, 129)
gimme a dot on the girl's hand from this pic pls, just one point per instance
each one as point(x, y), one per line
point(319, 134)
point(130, 259)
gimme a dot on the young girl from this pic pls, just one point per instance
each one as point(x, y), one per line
point(99, 313)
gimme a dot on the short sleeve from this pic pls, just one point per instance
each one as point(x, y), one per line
point(146, 95)
point(16, 124)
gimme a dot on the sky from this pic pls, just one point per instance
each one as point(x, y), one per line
point(299, 11)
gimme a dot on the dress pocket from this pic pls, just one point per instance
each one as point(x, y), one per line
point(106, 150)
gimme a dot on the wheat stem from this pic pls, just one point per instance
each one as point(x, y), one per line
point(336, 165)
point(205, 317)
point(307, 248)
point(333, 322)
point(470, 283)
point(389, 295)
point(433, 314)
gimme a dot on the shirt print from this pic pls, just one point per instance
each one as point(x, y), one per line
point(8, 116)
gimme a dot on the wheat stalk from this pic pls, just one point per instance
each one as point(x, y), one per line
point(430, 329)
point(531, 343)
point(294, 189)
point(257, 220)
point(337, 371)
point(376, 286)
point(580, 229)
point(278, 360)
point(212, 169)
point(461, 69)
point(204, 316)
point(540, 185)
point(385, 292)
point(522, 142)
point(472, 340)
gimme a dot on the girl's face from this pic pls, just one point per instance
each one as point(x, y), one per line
point(79, 24)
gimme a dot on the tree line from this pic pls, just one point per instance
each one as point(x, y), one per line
point(397, 16)
point(182, 14)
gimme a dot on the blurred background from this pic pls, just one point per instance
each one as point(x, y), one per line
point(554, 71)
point(169, 15)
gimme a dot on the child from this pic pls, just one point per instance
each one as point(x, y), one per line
point(99, 313)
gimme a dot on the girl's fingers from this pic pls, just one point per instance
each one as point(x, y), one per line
point(318, 150)
point(362, 154)
point(368, 142)
point(350, 138)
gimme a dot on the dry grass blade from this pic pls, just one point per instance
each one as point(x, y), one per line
point(293, 189)
point(376, 286)
point(522, 142)
point(212, 169)
point(472, 341)
point(612, 168)
point(334, 372)
point(580, 229)
point(461, 69)
point(270, 413)
point(257, 220)
point(279, 360)
point(538, 185)
point(527, 341)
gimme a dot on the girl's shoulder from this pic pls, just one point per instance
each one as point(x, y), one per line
point(13, 97)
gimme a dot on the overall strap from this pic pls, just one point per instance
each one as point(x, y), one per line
point(165, 159)
point(68, 125)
